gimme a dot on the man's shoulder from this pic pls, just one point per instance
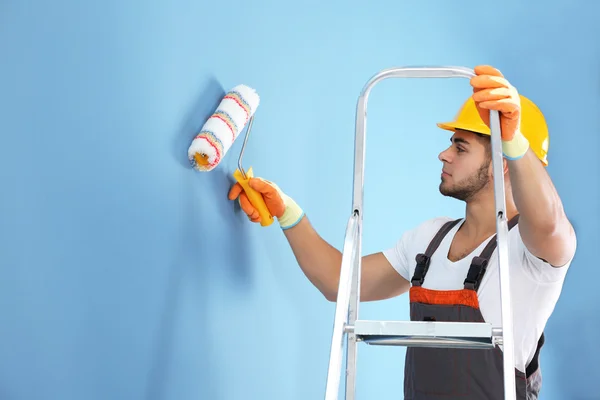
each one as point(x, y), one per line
point(414, 240)
point(426, 230)
point(432, 225)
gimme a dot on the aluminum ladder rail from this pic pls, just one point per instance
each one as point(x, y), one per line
point(413, 333)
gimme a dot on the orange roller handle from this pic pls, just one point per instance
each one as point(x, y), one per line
point(255, 197)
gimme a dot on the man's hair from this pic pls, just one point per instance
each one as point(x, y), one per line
point(485, 140)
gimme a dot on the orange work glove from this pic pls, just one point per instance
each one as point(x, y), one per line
point(491, 91)
point(280, 205)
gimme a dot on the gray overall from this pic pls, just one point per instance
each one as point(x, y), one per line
point(447, 373)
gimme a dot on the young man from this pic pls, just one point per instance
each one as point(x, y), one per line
point(462, 282)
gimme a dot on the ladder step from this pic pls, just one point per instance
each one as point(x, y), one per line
point(468, 335)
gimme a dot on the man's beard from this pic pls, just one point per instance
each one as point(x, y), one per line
point(468, 189)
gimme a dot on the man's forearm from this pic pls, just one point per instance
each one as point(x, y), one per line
point(534, 193)
point(319, 261)
point(543, 223)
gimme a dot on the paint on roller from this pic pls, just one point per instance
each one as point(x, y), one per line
point(222, 128)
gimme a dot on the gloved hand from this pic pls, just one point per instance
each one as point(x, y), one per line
point(280, 205)
point(491, 91)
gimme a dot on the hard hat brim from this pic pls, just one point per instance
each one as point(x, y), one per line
point(452, 126)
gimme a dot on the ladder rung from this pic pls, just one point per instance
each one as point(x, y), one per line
point(427, 334)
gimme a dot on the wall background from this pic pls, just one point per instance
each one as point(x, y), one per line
point(126, 275)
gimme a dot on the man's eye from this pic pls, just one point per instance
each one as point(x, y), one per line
point(460, 150)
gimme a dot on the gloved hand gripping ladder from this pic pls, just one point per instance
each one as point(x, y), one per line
point(413, 333)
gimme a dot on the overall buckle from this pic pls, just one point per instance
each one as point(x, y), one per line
point(476, 271)
point(421, 269)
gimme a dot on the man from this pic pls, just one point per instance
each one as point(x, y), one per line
point(457, 286)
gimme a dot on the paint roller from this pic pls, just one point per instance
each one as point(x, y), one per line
point(219, 132)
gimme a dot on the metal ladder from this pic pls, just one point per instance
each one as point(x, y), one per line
point(413, 333)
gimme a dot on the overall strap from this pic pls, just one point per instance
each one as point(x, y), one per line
point(424, 259)
point(479, 263)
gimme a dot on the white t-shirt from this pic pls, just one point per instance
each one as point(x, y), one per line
point(535, 284)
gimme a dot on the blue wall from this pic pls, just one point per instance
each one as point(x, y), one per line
point(126, 275)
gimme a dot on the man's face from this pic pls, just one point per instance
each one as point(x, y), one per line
point(466, 166)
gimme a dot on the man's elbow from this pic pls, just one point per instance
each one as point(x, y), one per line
point(555, 243)
point(330, 296)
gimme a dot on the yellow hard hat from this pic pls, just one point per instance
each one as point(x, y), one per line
point(533, 125)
